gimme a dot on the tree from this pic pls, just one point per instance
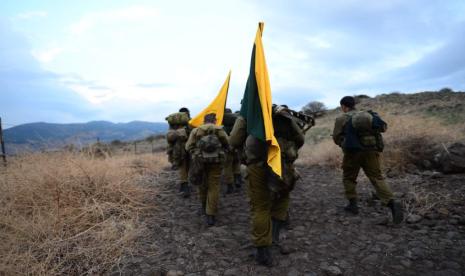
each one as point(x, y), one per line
point(313, 107)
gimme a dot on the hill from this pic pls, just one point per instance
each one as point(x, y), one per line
point(41, 135)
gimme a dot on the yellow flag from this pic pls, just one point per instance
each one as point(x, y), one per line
point(217, 106)
point(264, 93)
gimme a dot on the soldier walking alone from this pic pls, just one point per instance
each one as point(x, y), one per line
point(358, 133)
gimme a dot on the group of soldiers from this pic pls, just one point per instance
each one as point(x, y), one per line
point(209, 155)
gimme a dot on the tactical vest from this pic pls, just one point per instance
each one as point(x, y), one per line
point(362, 132)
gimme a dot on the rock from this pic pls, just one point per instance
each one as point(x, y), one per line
point(447, 272)
point(211, 272)
point(383, 237)
point(406, 263)
point(452, 159)
point(327, 237)
point(285, 262)
point(452, 235)
point(428, 264)
point(413, 218)
point(232, 272)
point(293, 272)
point(172, 273)
point(370, 259)
point(332, 270)
point(450, 265)
point(443, 211)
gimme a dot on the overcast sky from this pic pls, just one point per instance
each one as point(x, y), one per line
point(75, 61)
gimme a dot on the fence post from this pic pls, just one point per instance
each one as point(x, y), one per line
point(135, 147)
point(2, 142)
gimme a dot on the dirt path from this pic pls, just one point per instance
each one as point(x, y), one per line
point(326, 240)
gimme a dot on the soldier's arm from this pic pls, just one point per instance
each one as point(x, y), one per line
point(298, 134)
point(238, 133)
point(190, 144)
point(223, 138)
point(338, 131)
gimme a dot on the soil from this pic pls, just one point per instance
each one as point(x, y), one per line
point(324, 239)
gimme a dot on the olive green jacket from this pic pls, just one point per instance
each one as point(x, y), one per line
point(339, 124)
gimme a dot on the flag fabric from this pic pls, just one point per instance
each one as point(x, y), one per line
point(217, 106)
point(256, 106)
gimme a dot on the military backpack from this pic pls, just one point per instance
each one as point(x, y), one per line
point(176, 139)
point(363, 131)
point(178, 119)
point(210, 149)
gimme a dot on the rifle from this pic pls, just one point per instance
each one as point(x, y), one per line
point(304, 120)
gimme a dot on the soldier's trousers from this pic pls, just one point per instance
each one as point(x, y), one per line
point(369, 161)
point(209, 189)
point(232, 166)
point(264, 205)
point(184, 171)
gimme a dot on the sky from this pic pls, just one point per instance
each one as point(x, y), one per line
point(77, 61)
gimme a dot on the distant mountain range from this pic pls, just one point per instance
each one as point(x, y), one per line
point(36, 136)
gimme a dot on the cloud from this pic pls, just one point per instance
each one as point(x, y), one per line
point(152, 85)
point(130, 60)
point(30, 93)
point(32, 14)
point(47, 55)
point(132, 13)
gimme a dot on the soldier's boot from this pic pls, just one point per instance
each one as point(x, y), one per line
point(276, 226)
point(396, 210)
point(211, 220)
point(230, 189)
point(352, 207)
point(263, 256)
point(238, 180)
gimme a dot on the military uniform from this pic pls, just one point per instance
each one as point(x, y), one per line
point(180, 161)
point(209, 183)
point(357, 155)
point(266, 207)
point(232, 166)
point(368, 160)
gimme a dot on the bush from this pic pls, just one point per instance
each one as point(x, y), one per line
point(314, 107)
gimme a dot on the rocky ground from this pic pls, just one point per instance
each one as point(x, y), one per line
point(324, 239)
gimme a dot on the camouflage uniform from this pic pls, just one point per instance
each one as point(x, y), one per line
point(208, 187)
point(368, 160)
point(266, 206)
point(181, 165)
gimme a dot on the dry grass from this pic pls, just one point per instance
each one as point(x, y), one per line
point(65, 213)
point(325, 153)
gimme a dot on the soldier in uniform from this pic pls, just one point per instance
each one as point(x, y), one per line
point(268, 207)
point(177, 135)
point(367, 158)
point(232, 167)
point(207, 145)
